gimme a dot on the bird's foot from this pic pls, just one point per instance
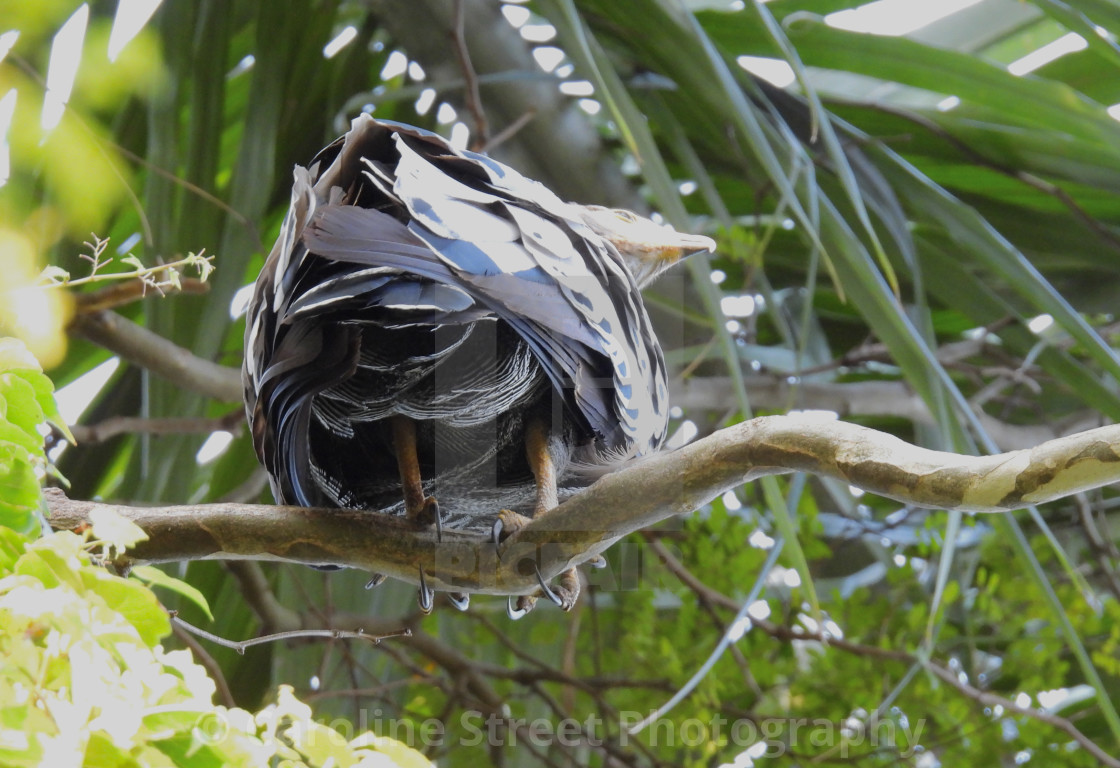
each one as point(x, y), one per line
point(519, 606)
point(507, 525)
point(428, 515)
point(565, 593)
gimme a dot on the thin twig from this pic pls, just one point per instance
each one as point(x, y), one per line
point(729, 636)
point(123, 425)
point(509, 131)
point(787, 634)
point(470, 77)
point(1035, 713)
point(295, 634)
point(203, 657)
point(117, 295)
point(161, 356)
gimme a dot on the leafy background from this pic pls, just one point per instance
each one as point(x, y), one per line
point(921, 241)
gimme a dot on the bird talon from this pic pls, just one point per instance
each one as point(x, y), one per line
point(523, 604)
point(375, 580)
point(598, 561)
point(460, 600)
point(427, 596)
point(431, 506)
point(508, 523)
point(557, 599)
point(565, 594)
point(429, 516)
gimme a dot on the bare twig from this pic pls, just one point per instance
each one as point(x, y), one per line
point(508, 132)
point(1035, 713)
point(470, 77)
point(123, 425)
point(151, 351)
point(213, 668)
point(295, 634)
point(577, 166)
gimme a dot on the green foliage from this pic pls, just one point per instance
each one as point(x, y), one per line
point(27, 407)
point(85, 680)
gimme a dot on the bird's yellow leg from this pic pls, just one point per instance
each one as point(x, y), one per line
point(509, 522)
point(418, 508)
point(544, 475)
point(540, 461)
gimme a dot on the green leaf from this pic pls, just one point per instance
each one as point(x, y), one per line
point(19, 488)
point(12, 547)
point(154, 577)
point(15, 355)
point(54, 561)
point(114, 530)
point(132, 600)
point(20, 408)
point(44, 389)
point(54, 274)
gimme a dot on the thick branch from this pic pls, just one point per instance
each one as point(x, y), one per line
point(629, 500)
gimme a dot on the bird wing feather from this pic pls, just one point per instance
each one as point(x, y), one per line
point(510, 244)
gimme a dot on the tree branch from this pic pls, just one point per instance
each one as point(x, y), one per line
point(149, 350)
point(631, 499)
point(873, 397)
point(576, 165)
point(126, 425)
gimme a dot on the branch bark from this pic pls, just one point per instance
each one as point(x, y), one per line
point(149, 350)
point(631, 499)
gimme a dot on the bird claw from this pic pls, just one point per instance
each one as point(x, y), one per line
point(517, 609)
point(375, 580)
point(461, 600)
point(566, 593)
point(598, 562)
point(554, 597)
point(429, 515)
point(427, 596)
point(508, 523)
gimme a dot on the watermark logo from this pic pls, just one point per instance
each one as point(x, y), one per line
point(762, 737)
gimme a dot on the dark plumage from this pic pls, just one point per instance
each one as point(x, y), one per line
point(418, 292)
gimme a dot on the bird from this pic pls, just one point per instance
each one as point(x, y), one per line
point(436, 336)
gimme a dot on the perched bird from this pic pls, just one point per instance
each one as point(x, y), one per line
point(432, 325)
